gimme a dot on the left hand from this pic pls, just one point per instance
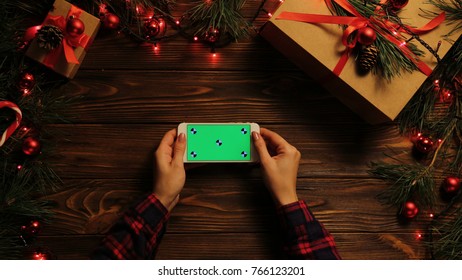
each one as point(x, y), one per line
point(169, 172)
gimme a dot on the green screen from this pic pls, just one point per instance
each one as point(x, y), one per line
point(213, 142)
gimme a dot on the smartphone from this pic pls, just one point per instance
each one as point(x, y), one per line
point(219, 142)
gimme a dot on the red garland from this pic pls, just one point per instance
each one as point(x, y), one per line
point(69, 42)
point(357, 21)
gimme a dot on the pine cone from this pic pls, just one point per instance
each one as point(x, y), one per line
point(49, 37)
point(368, 58)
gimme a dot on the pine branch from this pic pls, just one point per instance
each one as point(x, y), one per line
point(223, 15)
point(453, 9)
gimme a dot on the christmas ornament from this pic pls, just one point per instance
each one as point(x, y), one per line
point(212, 35)
point(31, 146)
point(451, 185)
point(423, 145)
point(368, 58)
point(75, 27)
point(49, 37)
point(30, 231)
point(154, 27)
point(110, 21)
point(409, 210)
point(398, 4)
point(10, 130)
point(41, 254)
point(366, 36)
point(26, 82)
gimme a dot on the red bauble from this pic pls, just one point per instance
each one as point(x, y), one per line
point(31, 146)
point(75, 27)
point(424, 144)
point(153, 27)
point(366, 36)
point(398, 4)
point(26, 82)
point(409, 210)
point(110, 21)
point(212, 35)
point(451, 185)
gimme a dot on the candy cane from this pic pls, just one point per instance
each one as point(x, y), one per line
point(14, 125)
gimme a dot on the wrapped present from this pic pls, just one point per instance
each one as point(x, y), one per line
point(62, 40)
point(312, 37)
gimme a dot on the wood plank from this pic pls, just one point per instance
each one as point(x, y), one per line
point(246, 246)
point(220, 96)
point(227, 206)
point(125, 151)
point(121, 52)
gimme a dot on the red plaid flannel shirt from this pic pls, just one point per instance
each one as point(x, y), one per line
point(138, 234)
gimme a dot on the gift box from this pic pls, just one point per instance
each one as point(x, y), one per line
point(317, 49)
point(61, 41)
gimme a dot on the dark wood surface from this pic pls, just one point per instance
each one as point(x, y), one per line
point(130, 95)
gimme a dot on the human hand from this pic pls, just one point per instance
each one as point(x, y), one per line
point(280, 169)
point(169, 172)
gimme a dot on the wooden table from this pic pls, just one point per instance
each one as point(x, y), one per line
point(131, 95)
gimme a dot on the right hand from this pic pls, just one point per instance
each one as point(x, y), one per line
point(279, 167)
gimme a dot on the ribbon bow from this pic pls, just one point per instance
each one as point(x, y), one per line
point(357, 21)
point(69, 42)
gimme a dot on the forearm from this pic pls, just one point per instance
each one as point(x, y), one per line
point(304, 236)
point(137, 234)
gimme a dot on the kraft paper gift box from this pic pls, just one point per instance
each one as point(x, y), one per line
point(317, 48)
point(66, 58)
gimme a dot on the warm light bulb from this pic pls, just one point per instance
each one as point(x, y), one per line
point(177, 22)
point(270, 14)
point(195, 38)
point(431, 215)
point(19, 167)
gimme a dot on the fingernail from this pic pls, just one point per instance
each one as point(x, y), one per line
point(181, 138)
point(256, 136)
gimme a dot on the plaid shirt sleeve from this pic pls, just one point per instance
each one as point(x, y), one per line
point(304, 236)
point(137, 234)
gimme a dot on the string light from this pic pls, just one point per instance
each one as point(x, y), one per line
point(19, 167)
point(177, 22)
point(195, 38)
point(418, 236)
point(431, 215)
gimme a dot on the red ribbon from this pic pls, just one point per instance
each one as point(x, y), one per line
point(357, 21)
point(69, 42)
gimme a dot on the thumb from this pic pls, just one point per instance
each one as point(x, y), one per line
point(179, 149)
point(260, 146)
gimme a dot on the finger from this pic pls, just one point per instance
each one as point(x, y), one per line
point(260, 146)
point(274, 140)
point(178, 150)
point(165, 145)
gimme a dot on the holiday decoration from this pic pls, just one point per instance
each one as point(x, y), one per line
point(212, 35)
point(31, 146)
point(368, 58)
point(14, 125)
point(75, 27)
point(399, 59)
point(49, 37)
point(398, 4)
point(451, 185)
point(29, 232)
point(366, 36)
point(424, 144)
point(78, 29)
point(26, 83)
point(420, 181)
point(409, 210)
point(41, 254)
point(154, 27)
point(110, 21)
